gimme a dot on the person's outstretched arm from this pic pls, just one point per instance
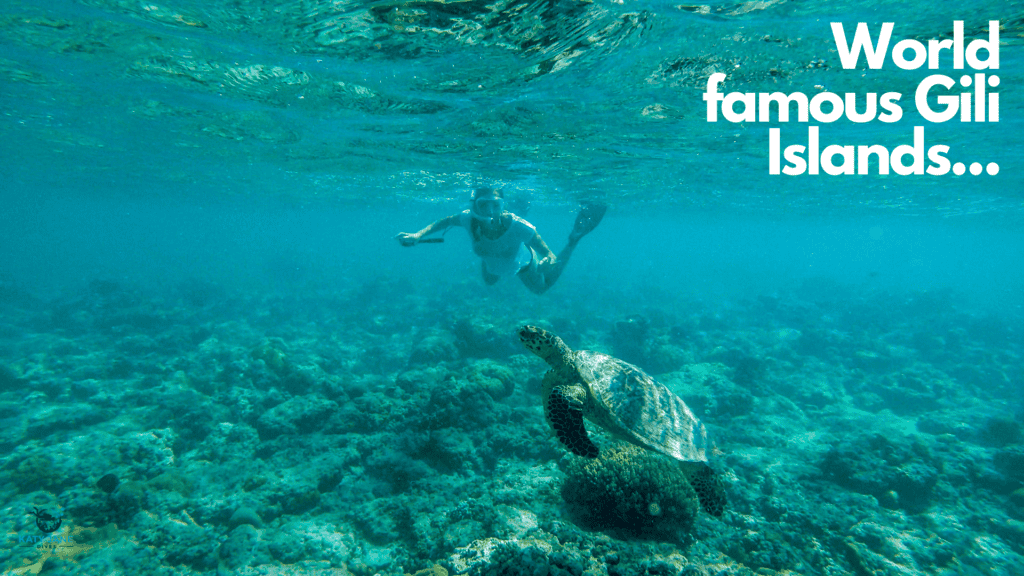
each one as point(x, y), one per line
point(410, 239)
point(541, 248)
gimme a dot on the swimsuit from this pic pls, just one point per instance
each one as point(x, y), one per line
point(508, 253)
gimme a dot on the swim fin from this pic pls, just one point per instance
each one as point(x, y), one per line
point(587, 219)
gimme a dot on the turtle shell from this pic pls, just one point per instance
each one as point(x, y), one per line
point(631, 404)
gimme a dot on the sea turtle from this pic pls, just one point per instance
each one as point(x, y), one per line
point(627, 403)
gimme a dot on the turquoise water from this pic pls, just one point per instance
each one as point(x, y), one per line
point(201, 297)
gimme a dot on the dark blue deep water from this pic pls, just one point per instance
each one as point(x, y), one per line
point(215, 357)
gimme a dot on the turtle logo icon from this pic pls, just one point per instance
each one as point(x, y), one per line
point(47, 522)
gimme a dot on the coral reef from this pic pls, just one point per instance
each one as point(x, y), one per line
point(630, 488)
point(250, 433)
point(900, 474)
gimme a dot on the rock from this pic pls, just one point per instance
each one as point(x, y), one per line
point(129, 499)
point(1010, 462)
point(300, 414)
point(990, 554)
point(228, 441)
point(877, 464)
point(38, 472)
point(299, 540)
point(663, 358)
point(437, 346)
point(65, 419)
point(239, 549)
point(478, 338)
point(272, 354)
point(946, 422)
point(10, 379)
point(172, 481)
point(876, 549)
point(245, 515)
point(542, 554)
point(148, 453)
point(491, 378)
point(1000, 432)
point(1017, 503)
point(629, 339)
point(435, 570)
point(184, 542)
point(419, 379)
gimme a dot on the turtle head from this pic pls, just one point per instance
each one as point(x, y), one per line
point(544, 344)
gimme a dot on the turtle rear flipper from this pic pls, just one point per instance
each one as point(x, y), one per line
point(708, 487)
point(565, 412)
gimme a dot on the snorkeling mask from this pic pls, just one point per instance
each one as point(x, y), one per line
point(488, 209)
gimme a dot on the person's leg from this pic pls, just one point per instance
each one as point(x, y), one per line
point(534, 281)
point(589, 217)
point(489, 278)
point(550, 271)
point(532, 276)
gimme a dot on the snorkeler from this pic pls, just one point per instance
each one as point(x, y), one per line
point(507, 244)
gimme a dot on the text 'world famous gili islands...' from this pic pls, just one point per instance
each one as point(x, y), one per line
point(967, 94)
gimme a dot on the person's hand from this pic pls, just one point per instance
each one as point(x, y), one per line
point(407, 239)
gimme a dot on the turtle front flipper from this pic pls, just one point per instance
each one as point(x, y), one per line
point(708, 487)
point(565, 413)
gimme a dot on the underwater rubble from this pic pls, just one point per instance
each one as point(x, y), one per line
point(377, 431)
